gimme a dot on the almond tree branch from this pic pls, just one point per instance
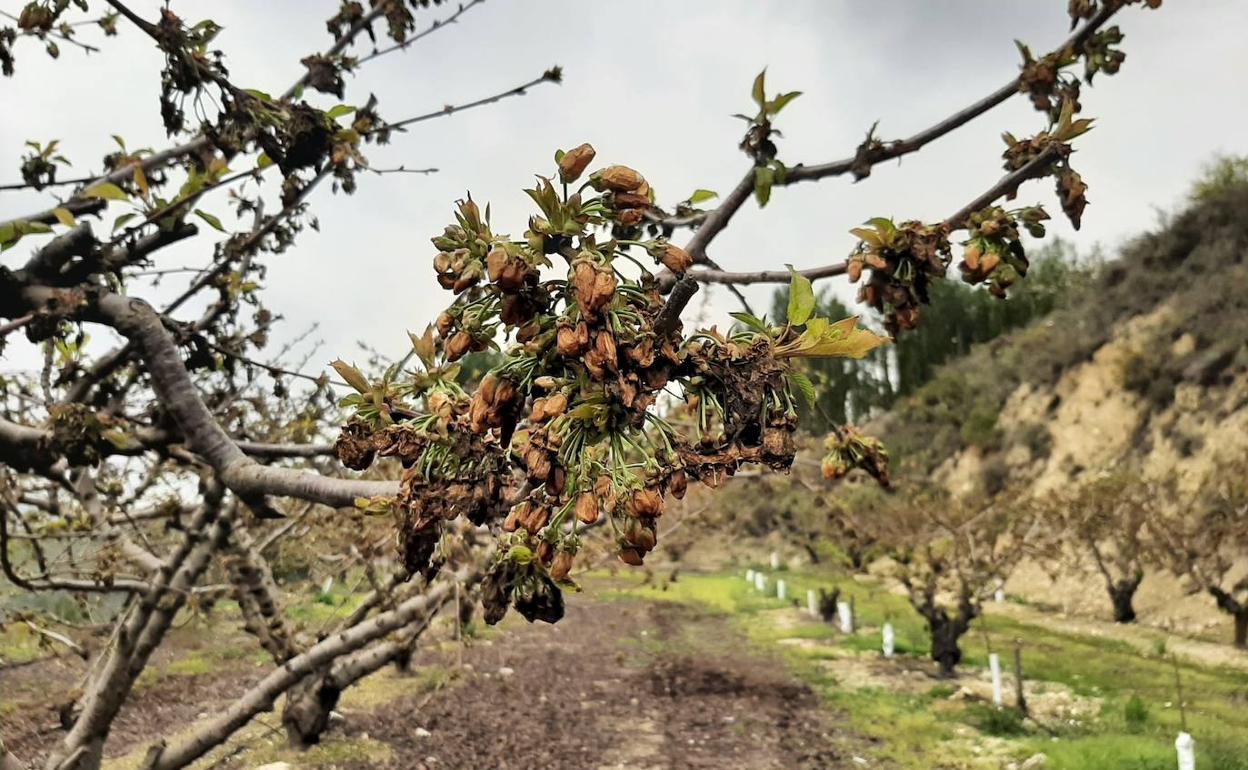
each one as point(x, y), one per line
point(715, 221)
point(1006, 186)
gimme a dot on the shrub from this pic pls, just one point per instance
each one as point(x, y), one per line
point(1135, 714)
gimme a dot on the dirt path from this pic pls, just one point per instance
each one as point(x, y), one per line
point(645, 686)
point(1146, 639)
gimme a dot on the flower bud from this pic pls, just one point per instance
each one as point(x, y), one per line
point(562, 565)
point(586, 508)
point(677, 484)
point(631, 557)
point(459, 343)
point(445, 323)
point(675, 258)
point(617, 179)
point(574, 162)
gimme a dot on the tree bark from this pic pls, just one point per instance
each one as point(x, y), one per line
point(1122, 596)
point(1237, 610)
point(945, 650)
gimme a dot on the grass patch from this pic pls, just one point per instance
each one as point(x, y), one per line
point(1135, 729)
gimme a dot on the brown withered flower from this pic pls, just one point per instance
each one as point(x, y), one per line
point(620, 179)
point(594, 285)
point(571, 341)
point(574, 162)
point(587, 508)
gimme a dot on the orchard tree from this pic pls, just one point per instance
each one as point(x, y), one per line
point(1104, 521)
point(950, 555)
point(138, 471)
point(1205, 539)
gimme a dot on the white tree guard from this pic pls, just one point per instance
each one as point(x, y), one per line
point(775, 560)
point(781, 592)
point(749, 575)
point(760, 582)
point(1186, 747)
point(890, 640)
point(846, 615)
point(812, 603)
point(994, 664)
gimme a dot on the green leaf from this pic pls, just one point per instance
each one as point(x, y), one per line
point(801, 298)
point(752, 321)
point(804, 386)
point(764, 177)
point(338, 111)
point(264, 161)
point(121, 220)
point(843, 339)
point(351, 375)
point(759, 98)
point(210, 219)
point(774, 106)
point(258, 94)
point(702, 196)
point(106, 191)
point(64, 216)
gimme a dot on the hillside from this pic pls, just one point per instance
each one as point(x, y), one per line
point(1146, 367)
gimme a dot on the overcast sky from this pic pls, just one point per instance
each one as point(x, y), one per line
point(651, 84)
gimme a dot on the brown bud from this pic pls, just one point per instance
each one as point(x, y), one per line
point(675, 258)
point(556, 405)
point(617, 179)
point(778, 442)
point(494, 262)
point(645, 502)
point(594, 285)
point(677, 484)
point(604, 490)
point(631, 557)
point(587, 508)
point(459, 343)
point(574, 162)
point(538, 463)
point(442, 262)
point(629, 217)
point(569, 342)
point(504, 392)
point(854, 270)
point(971, 256)
point(446, 322)
point(557, 480)
point(545, 552)
point(989, 262)
point(514, 516)
point(562, 565)
point(630, 200)
point(528, 331)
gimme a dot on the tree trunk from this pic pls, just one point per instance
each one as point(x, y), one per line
point(1237, 610)
point(945, 650)
point(827, 604)
point(308, 706)
point(1122, 594)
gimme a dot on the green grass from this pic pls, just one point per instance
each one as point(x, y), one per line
point(1135, 728)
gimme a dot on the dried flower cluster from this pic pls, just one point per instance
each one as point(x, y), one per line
point(848, 449)
point(568, 431)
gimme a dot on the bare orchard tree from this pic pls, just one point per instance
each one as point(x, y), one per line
point(950, 555)
point(1103, 521)
point(172, 456)
point(1205, 539)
